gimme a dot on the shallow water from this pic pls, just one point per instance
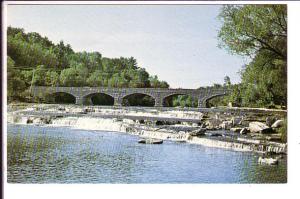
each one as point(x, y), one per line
point(64, 155)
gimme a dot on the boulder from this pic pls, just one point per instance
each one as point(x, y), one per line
point(150, 141)
point(209, 125)
point(258, 127)
point(236, 121)
point(30, 120)
point(269, 161)
point(226, 125)
point(214, 134)
point(213, 123)
point(195, 124)
point(198, 132)
point(47, 120)
point(277, 124)
point(244, 131)
point(270, 121)
point(237, 129)
point(61, 108)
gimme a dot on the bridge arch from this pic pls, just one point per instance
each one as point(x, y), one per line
point(60, 97)
point(138, 99)
point(206, 100)
point(98, 98)
point(180, 99)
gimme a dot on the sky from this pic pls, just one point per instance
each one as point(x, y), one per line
point(178, 43)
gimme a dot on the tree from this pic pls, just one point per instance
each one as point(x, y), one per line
point(15, 84)
point(258, 31)
point(264, 81)
point(51, 78)
point(68, 77)
point(63, 53)
point(39, 75)
point(248, 29)
point(96, 79)
point(227, 81)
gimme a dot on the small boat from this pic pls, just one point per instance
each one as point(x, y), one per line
point(150, 141)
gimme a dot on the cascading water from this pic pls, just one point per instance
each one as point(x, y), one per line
point(131, 127)
point(89, 123)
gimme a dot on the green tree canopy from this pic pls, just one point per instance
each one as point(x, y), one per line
point(260, 32)
point(248, 29)
point(34, 59)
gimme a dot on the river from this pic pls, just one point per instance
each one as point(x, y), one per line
point(45, 154)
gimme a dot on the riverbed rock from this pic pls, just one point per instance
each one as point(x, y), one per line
point(61, 108)
point(236, 121)
point(226, 125)
point(195, 124)
point(268, 161)
point(259, 127)
point(244, 131)
point(198, 132)
point(150, 141)
point(277, 124)
point(46, 120)
point(209, 125)
point(270, 120)
point(236, 129)
point(214, 134)
point(29, 120)
point(275, 138)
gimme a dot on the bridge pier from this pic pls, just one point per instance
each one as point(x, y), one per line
point(118, 101)
point(79, 101)
point(158, 102)
point(201, 103)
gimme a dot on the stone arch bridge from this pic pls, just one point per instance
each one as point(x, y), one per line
point(118, 94)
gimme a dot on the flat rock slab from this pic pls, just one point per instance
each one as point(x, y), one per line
point(150, 141)
point(259, 127)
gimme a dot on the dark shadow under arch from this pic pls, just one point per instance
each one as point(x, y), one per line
point(101, 99)
point(60, 98)
point(180, 100)
point(215, 100)
point(138, 99)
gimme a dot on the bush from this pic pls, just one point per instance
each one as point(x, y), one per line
point(283, 131)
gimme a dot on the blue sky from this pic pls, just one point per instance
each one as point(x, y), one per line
point(178, 43)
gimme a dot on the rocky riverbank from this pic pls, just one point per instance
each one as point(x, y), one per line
point(245, 131)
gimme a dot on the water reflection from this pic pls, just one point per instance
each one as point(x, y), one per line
point(63, 155)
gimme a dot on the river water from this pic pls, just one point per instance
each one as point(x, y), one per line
point(37, 154)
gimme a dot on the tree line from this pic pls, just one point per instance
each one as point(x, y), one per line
point(35, 60)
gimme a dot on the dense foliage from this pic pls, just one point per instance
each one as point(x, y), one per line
point(35, 60)
point(260, 32)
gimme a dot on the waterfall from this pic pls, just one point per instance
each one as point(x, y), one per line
point(17, 119)
point(88, 123)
